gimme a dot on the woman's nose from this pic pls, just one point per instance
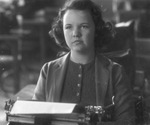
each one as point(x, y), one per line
point(76, 32)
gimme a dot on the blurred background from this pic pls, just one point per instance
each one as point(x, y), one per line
point(25, 44)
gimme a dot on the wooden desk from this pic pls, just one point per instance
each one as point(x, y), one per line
point(24, 94)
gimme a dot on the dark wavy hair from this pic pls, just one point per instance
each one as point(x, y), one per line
point(103, 30)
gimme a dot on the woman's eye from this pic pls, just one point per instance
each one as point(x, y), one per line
point(84, 26)
point(68, 27)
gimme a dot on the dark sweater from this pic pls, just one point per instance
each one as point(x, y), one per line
point(79, 84)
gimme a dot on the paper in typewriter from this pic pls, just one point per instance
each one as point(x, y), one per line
point(36, 107)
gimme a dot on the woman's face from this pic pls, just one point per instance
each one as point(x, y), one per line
point(79, 30)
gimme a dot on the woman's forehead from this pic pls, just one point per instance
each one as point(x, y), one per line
point(77, 15)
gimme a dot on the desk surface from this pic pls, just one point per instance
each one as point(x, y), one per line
point(25, 94)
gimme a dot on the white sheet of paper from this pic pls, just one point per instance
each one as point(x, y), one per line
point(36, 107)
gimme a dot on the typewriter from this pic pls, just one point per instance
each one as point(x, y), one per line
point(49, 113)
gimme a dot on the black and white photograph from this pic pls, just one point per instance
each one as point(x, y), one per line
point(74, 62)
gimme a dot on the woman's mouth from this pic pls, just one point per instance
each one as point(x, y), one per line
point(77, 41)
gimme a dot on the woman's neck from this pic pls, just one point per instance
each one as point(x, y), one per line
point(82, 58)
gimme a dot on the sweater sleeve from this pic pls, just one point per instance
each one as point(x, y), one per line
point(39, 92)
point(124, 102)
point(124, 111)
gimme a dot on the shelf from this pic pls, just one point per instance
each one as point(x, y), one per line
point(14, 42)
point(142, 40)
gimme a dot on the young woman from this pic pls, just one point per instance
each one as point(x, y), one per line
point(83, 75)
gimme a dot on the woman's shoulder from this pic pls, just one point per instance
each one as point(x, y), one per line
point(116, 68)
point(108, 61)
point(57, 61)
